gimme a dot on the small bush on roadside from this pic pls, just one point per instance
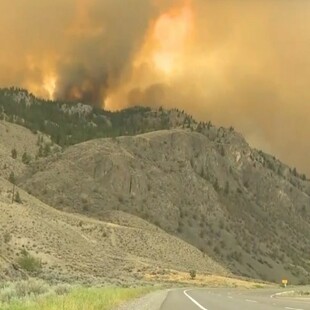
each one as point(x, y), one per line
point(193, 274)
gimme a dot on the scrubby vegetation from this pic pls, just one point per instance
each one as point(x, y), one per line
point(192, 274)
point(29, 262)
point(38, 295)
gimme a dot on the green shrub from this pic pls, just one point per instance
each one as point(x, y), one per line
point(62, 289)
point(14, 291)
point(17, 198)
point(29, 262)
point(26, 288)
point(26, 158)
point(12, 178)
point(7, 294)
point(216, 186)
point(193, 274)
point(14, 153)
point(78, 298)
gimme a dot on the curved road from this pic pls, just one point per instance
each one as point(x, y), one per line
point(230, 299)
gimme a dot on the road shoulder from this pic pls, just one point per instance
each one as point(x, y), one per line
point(152, 301)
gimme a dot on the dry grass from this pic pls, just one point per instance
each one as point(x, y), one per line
point(184, 279)
point(76, 248)
point(16, 137)
point(37, 295)
point(298, 292)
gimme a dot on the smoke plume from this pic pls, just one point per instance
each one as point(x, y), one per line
point(234, 62)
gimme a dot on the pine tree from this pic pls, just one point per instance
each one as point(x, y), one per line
point(25, 158)
point(216, 185)
point(17, 198)
point(12, 178)
point(14, 153)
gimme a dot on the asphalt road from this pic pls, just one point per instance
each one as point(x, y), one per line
point(230, 299)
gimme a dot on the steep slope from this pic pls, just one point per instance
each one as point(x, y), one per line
point(74, 247)
point(208, 187)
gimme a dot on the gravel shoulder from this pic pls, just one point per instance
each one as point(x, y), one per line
point(152, 301)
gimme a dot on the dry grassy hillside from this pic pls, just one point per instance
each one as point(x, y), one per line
point(208, 187)
point(26, 144)
point(74, 247)
point(15, 137)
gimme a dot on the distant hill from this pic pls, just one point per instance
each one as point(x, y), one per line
point(202, 184)
point(69, 123)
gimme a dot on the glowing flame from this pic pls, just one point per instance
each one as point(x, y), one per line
point(166, 40)
point(171, 33)
point(159, 60)
point(49, 85)
point(162, 55)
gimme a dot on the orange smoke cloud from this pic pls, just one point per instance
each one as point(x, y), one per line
point(235, 62)
point(171, 33)
point(159, 59)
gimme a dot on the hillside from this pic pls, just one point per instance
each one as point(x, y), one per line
point(74, 247)
point(243, 207)
point(19, 147)
point(142, 167)
point(122, 247)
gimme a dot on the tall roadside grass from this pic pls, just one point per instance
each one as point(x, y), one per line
point(62, 298)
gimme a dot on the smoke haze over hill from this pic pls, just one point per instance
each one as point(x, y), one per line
point(240, 63)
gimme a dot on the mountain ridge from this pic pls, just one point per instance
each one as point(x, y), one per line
point(199, 183)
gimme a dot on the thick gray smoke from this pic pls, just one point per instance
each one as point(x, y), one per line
point(87, 44)
point(105, 37)
point(234, 62)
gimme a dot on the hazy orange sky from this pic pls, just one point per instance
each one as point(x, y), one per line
point(234, 62)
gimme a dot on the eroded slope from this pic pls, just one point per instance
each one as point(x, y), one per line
point(208, 187)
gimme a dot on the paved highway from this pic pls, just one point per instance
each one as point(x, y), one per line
point(230, 299)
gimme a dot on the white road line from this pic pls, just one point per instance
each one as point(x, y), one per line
point(193, 300)
point(289, 308)
point(281, 293)
point(250, 300)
